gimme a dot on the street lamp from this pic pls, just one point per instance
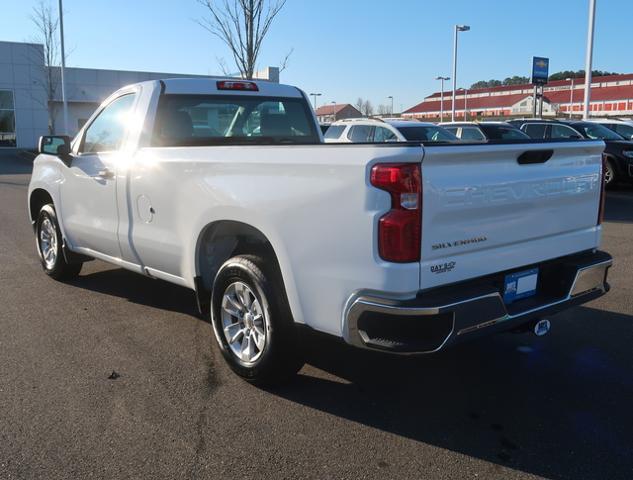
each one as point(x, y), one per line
point(441, 79)
point(458, 28)
point(589, 57)
point(391, 98)
point(571, 95)
point(315, 95)
point(63, 68)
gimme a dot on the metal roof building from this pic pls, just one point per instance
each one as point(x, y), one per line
point(610, 95)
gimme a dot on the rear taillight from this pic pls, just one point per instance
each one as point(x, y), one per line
point(237, 85)
point(400, 229)
point(603, 169)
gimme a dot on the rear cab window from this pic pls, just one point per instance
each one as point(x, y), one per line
point(199, 120)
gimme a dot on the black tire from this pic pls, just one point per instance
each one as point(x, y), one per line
point(609, 174)
point(279, 358)
point(58, 268)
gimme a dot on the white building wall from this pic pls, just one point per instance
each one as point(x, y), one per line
point(22, 72)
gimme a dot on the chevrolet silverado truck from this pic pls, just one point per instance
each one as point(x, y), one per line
point(227, 187)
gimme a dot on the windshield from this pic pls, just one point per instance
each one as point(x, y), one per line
point(427, 134)
point(597, 131)
point(189, 120)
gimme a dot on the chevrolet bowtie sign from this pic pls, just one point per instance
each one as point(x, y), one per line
point(540, 70)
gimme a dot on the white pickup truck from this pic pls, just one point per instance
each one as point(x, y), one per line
point(226, 187)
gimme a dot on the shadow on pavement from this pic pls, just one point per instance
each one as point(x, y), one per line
point(139, 289)
point(559, 406)
point(15, 163)
point(619, 204)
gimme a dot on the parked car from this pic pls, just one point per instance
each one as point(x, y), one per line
point(484, 131)
point(324, 127)
point(623, 128)
point(226, 188)
point(618, 151)
point(369, 130)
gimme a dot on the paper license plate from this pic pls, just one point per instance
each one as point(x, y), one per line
point(520, 285)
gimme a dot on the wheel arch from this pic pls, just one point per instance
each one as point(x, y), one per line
point(221, 240)
point(37, 199)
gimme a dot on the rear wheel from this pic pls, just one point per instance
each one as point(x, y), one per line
point(252, 321)
point(49, 246)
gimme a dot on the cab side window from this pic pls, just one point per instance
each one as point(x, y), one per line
point(107, 132)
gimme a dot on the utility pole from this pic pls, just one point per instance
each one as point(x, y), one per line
point(458, 28)
point(571, 96)
point(589, 57)
point(315, 95)
point(63, 67)
point(441, 79)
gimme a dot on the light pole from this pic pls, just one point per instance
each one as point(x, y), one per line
point(63, 67)
point(441, 79)
point(315, 95)
point(571, 96)
point(458, 28)
point(589, 57)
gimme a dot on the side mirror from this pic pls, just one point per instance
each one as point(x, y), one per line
point(58, 145)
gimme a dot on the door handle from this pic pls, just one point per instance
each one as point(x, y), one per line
point(106, 174)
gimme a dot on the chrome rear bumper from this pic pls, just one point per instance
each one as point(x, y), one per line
point(437, 318)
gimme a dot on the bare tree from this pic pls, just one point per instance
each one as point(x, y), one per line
point(364, 107)
point(368, 109)
point(242, 26)
point(46, 25)
point(384, 109)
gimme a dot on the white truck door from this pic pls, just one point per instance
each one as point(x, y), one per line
point(88, 195)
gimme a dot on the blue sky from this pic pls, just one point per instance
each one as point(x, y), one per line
point(348, 48)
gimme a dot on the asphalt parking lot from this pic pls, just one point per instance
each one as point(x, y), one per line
point(114, 376)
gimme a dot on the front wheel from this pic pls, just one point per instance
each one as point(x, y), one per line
point(252, 321)
point(49, 246)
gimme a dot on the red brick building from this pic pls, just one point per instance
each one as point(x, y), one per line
point(610, 96)
point(331, 113)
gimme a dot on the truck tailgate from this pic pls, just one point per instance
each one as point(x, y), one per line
point(485, 212)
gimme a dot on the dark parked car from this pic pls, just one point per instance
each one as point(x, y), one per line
point(618, 151)
point(485, 131)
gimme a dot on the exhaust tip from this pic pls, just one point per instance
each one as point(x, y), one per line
point(542, 327)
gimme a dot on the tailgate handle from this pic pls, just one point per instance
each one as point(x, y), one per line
point(535, 156)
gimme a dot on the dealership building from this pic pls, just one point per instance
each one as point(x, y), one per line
point(29, 108)
point(610, 96)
